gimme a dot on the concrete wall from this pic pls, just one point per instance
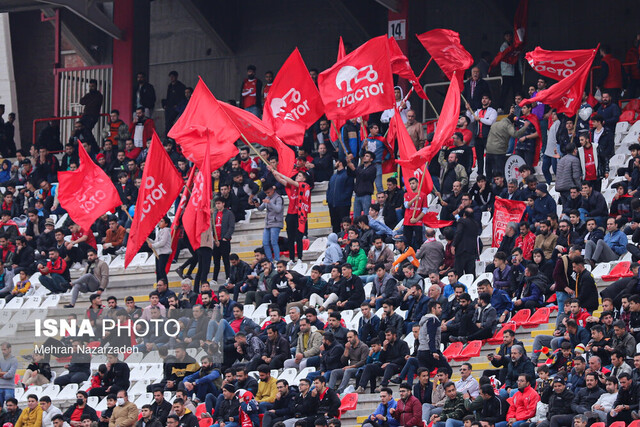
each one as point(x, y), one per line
point(8, 95)
point(32, 43)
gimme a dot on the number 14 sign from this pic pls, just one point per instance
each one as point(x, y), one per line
point(398, 29)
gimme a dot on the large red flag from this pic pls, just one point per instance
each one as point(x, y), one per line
point(255, 130)
point(203, 112)
point(197, 214)
point(360, 83)
point(505, 211)
point(87, 192)
point(446, 126)
point(337, 124)
point(566, 95)
point(293, 103)
point(176, 225)
point(445, 47)
point(406, 149)
point(557, 64)
point(400, 66)
point(161, 184)
point(511, 54)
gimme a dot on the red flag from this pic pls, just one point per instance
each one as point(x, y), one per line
point(505, 211)
point(446, 126)
point(255, 130)
point(557, 64)
point(511, 54)
point(445, 47)
point(337, 124)
point(197, 214)
point(87, 192)
point(161, 184)
point(400, 66)
point(176, 225)
point(203, 112)
point(430, 219)
point(293, 103)
point(360, 83)
point(566, 95)
point(406, 149)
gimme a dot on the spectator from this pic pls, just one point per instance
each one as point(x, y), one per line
point(328, 400)
point(223, 231)
point(604, 404)
point(276, 350)
point(485, 116)
point(31, 416)
point(339, 192)
point(55, 275)
point(94, 280)
point(282, 407)
point(408, 411)
point(48, 411)
point(627, 401)
point(608, 249)
point(523, 403)
point(147, 419)
point(162, 247)
point(80, 408)
point(142, 127)
point(475, 88)
point(546, 239)
point(569, 172)
point(383, 415)
point(392, 359)
point(498, 141)
point(465, 245)
point(531, 296)
point(307, 346)
point(453, 408)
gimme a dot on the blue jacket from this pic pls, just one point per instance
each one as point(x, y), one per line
point(501, 280)
point(448, 290)
point(197, 379)
point(227, 311)
point(340, 189)
point(617, 241)
point(381, 410)
point(542, 207)
point(380, 228)
point(500, 301)
point(420, 308)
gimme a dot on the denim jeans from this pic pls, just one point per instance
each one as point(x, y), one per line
point(55, 283)
point(253, 110)
point(361, 204)
point(512, 145)
point(548, 163)
point(410, 369)
point(5, 393)
point(600, 220)
point(378, 181)
point(216, 331)
point(561, 297)
point(270, 243)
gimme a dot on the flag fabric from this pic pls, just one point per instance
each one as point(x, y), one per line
point(400, 66)
point(197, 213)
point(444, 130)
point(203, 112)
point(255, 131)
point(406, 149)
point(86, 193)
point(511, 54)
point(566, 95)
point(430, 219)
point(293, 103)
point(337, 124)
point(161, 184)
point(557, 64)
point(360, 83)
point(505, 211)
point(445, 48)
point(176, 225)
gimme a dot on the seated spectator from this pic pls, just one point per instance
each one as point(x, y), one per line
point(55, 275)
point(267, 390)
point(31, 416)
point(462, 317)
point(383, 415)
point(160, 408)
point(276, 350)
point(593, 204)
point(627, 401)
point(453, 408)
point(390, 319)
point(531, 295)
point(249, 348)
point(526, 241)
point(81, 241)
point(430, 254)
point(544, 204)
point(238, 275)
point(75, 412)
point(352, 291)
point(147, 419)
point(392, 357)
point(185, 416)
point(114, 238)
point(368, 325)
point(384, 288)
point(415, 304)
point(501, 272)
point(610, 248)
point(95, 278)
point(519, 365)
point(308, 345)
point(604, 404)
point(283, 405)
point(545, 240)
point(20, 288)
point(408, 411)
point(38, 372)
point(523, 403)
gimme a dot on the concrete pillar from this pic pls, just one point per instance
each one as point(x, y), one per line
point(8, 95)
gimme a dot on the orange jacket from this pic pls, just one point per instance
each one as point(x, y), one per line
point(523, 404)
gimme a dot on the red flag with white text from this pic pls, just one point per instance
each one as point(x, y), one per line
point(203, 112)
point(406, 149)
point(400, 65)
point(360, 83)
point(161, 184)
point(504, 212)
point(511, 54)
point(293, 103)
point(444, 130)
point(337, 124)
point(566, 95)
point(87, 192)
point(445, 48)
point(197, 213)
point(557, 64)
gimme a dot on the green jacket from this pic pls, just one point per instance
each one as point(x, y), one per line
point(358, 262)
point(453, 408)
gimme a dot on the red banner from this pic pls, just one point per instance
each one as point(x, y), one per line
point(431, 220)
point(360, 83)
point(445, 48)
point(337, 124)
point(406, 149)
point(504, 212)
point(254, 130)
point(161, 184)
point(176, 225)
point(197, 214)
point(87, 192)
point(557, 64)
point(566, 95)
point(400, 66)
point(512, 53)
point(203, 112)
point(444, 130)
point(293, 103)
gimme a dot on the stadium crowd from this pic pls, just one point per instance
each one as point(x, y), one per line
point(388, 245)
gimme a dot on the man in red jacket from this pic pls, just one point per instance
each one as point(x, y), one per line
point(408, 411)
point(523, 403)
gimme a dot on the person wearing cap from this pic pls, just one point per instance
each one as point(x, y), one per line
point(544, 204)
point(95, 278)
point(175, 95)
point(559, 398)
point(227, 413)
point(250, 92)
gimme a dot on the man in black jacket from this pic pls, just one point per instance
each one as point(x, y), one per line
point(393, 205)
point(175, 95)
point(328, 400)
point(626, 402)
point(160, 408)
point(392, 359)
point(304, 403)
point(559, 399)
point(282, 407)
point(390, 319)
point(277, 349)
point(81, 395)
point(494, 408)
point(245, 382)
point(147, 419)
point(503, 356)
point(583, 400)
point(352, 293)
point(465, 244)
point(330, 357)
point(365, 176)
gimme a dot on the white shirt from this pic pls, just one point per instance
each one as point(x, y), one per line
point(597, 134)
point(606, 400)
point(387, 114)
point(470, 385)
point(489, 118)
point(48, 414)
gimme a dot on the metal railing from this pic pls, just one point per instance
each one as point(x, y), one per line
point(73, 85)
point(426, 107)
